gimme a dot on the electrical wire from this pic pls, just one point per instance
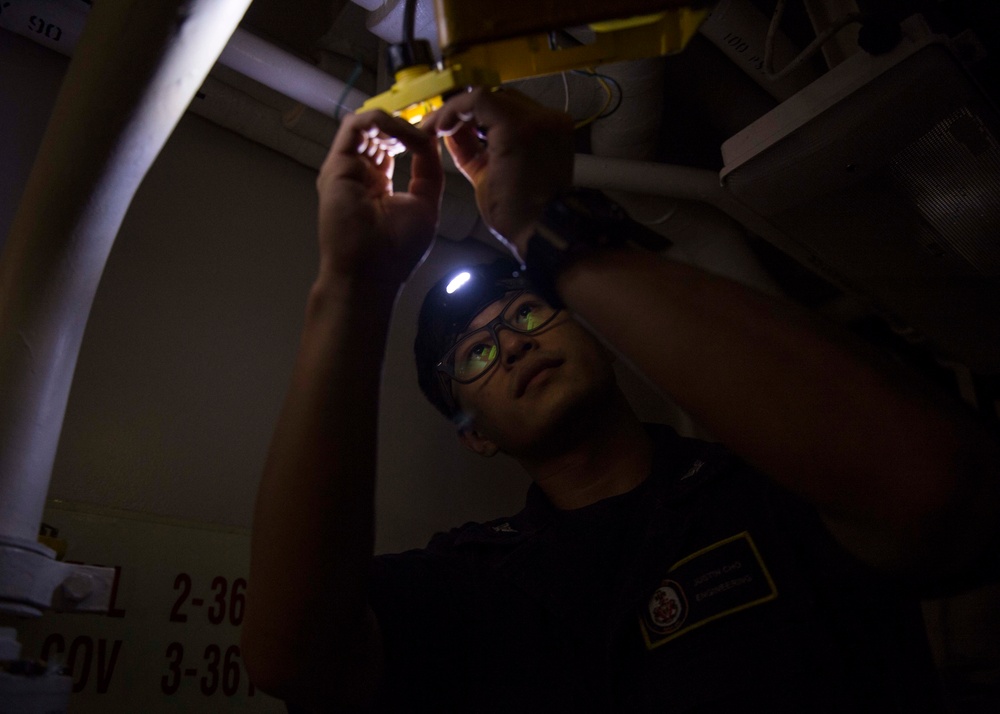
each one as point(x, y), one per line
point(593, 117)
point(661, 220)
point(355, 76)
point(602, 79)
point(605, 81)
point(811, 49)
point(409, 21)
point(621, 95)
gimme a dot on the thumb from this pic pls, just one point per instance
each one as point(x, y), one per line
point(467, 150)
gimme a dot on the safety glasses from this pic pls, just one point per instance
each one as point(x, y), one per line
point(478, 351)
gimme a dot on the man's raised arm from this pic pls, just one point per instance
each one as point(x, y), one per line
point(309, 635)
point(904, 477)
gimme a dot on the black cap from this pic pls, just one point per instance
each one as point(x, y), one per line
point(445, 315)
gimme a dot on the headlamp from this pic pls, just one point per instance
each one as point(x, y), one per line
point(458, 281)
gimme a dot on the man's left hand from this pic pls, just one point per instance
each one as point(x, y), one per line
point(525, 159)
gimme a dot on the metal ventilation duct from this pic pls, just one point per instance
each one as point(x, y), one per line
point(886, 170)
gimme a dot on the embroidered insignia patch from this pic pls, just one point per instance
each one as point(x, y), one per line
point(667, 608)
point(716, 581)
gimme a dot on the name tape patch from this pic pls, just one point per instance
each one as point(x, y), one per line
point(716, 581)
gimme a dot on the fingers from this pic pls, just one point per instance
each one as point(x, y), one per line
point(482, 106)
point(465, 147)
point(382, 137)
point(364, 151)
point(463, 119)
point(427, 174)
point(359, 130)
point(377, 135)
point(506, 116)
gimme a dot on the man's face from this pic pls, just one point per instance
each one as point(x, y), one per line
point(541, 383)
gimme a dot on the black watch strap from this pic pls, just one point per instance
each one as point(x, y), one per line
point(578, 222)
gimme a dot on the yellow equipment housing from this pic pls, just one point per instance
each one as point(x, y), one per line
point(420, 89)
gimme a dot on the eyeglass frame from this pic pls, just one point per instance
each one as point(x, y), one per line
point(490, 327)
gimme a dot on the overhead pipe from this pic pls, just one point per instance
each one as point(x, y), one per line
point(385, 21)
point(740, 30)
point(286, 73)
point(683, 183)
point(290, 75)
point(824, 13)
point(263, 124)
point(58, 24)
point(101, 139)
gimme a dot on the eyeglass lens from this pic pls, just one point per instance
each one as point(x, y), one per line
point(477, 351)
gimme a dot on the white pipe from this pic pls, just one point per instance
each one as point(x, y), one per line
point(289, 75)
point(738, 28)
point(385, 21)
point(101, 139)
point(647, 178)
point(633, 131)
point(684, 183)
point(823, 14)
point(57, 24)
point(230, 108)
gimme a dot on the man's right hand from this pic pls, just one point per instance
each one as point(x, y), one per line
point(309, 635)
point(366, 232)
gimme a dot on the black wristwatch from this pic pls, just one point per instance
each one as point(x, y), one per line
point(578, 222)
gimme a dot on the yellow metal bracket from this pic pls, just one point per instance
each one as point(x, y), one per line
point(420, 90)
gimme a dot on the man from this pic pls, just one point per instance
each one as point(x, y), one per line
point(646, 572)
